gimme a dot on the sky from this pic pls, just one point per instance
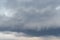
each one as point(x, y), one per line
point(29, 19)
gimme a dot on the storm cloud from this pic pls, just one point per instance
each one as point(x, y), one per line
point(31, 17)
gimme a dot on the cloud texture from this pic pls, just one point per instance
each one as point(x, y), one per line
point(4, 36)
point(28, 16)
point(29, 19)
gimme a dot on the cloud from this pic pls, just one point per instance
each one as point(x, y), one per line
point(30, 17)
point(4, 36)
point(11, 36)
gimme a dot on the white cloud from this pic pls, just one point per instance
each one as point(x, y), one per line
point(4, 36)
point(40, 38)
point(6, 12)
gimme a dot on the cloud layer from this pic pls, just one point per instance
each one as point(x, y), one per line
point(11, 36)
point(31, 17)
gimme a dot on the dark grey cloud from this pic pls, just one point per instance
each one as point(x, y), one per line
point(33, 17)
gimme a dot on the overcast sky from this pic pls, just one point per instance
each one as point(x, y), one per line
point(29, 19)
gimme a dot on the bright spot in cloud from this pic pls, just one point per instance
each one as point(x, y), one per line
point(6, 12)
point(58, 8)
